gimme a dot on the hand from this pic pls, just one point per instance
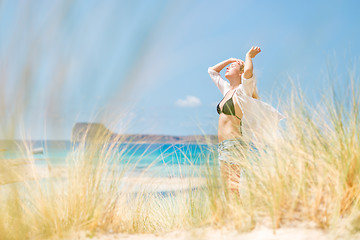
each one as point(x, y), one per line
point(253, 51)
point(239, 61)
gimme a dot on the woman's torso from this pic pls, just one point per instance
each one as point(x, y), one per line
point(229, 124)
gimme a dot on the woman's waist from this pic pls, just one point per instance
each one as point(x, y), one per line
point(229, 134)
point(229, 130)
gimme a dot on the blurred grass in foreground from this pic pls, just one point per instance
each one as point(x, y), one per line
point(310, 174)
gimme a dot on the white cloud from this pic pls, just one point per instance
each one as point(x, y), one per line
point(189, 101)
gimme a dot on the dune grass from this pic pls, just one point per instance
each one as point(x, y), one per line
point(309, 173)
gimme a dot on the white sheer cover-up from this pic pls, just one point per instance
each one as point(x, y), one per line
point(260, 120)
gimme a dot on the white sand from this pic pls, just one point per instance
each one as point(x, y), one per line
point(19, 170)
point(149, 184)
point(261, 233)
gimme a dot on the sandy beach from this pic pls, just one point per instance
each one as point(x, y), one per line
point(165, 186)
point(260, 233)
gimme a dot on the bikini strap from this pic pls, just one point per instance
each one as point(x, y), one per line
point(234, 106)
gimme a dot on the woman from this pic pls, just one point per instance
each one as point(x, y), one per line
point(239, 108)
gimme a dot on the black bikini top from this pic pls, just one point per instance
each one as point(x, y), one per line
point(228, 108)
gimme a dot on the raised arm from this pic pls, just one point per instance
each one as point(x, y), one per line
point(214, 73)
point(248, 68)
point(218, 67)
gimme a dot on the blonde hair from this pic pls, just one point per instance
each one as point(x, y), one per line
point(242, 67)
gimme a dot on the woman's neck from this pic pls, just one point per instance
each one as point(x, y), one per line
point(234, 82)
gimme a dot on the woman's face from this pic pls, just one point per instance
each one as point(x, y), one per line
point(235, 69)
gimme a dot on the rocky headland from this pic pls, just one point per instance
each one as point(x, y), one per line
point(97, 131)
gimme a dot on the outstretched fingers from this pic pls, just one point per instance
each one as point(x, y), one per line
point(254, 51)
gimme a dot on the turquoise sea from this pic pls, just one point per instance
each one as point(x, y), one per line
point(164, 168)
point(155, 160)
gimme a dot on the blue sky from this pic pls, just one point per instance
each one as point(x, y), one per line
point(141, 66)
